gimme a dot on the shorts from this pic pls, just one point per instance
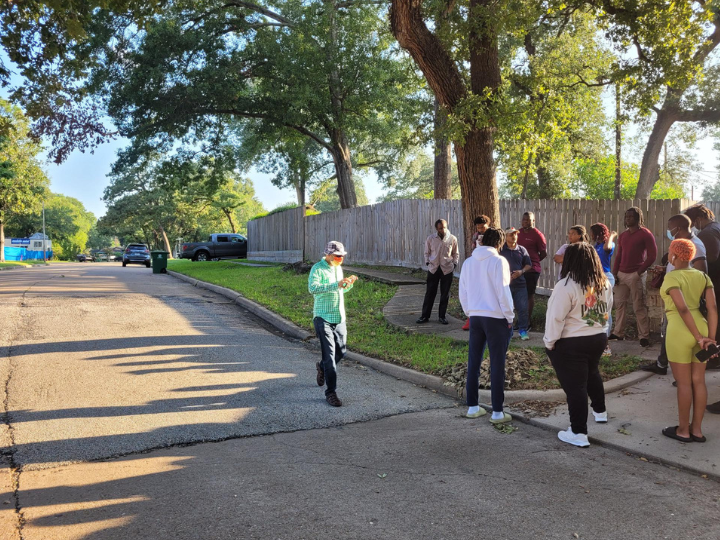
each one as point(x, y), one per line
point(531, 281)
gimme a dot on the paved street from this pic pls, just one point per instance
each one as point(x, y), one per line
point(113, 380)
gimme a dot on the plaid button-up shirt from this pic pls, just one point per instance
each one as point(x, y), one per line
point(329, 299)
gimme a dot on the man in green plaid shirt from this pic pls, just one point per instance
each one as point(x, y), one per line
point(327, 284)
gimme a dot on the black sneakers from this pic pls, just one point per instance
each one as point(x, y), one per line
point(654, 368)
point(333, 400)
point(443, 320)
point(320, 375)
point(422, 320)
point(644, 342)
point(614, 337)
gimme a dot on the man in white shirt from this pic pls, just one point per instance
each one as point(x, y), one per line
point(441, 259)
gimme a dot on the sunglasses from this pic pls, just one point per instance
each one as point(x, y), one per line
point(339, 257)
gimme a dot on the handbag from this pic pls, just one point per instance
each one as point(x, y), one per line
point(657, 281)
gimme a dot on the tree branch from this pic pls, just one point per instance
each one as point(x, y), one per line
point(261, 10)
point(260, 116)
point(701, 115)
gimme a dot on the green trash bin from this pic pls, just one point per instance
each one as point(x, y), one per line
point(159, 261)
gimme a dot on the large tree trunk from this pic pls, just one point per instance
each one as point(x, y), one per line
point(2, 241)
point(650, 169)
point(443, 158)
point(343, 170)
point(299, 184)
point(476, 164)
point(476, 167)
point(165, 240)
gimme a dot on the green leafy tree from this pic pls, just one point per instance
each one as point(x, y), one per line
point(22, 181)
point(414, 178)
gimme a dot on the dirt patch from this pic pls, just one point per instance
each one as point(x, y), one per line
point(534, 407)
point(524, 369)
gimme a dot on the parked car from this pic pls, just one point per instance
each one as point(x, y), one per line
point(136, 254)
point(218, 246)
point(84, 257)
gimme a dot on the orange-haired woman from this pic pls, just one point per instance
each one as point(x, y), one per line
point(688, 333)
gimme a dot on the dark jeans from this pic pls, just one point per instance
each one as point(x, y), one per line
point(333, 339)
point(496, 335)
point(433, 280)
point(520, 299)
point(576, 362)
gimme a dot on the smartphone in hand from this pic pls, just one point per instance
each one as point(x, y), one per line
point(708, 353)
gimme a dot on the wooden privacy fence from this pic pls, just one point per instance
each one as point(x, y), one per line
point(394, 233)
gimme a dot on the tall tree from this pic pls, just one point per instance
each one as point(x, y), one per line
point(466, 96)
point(23, 183)
point(666, 65)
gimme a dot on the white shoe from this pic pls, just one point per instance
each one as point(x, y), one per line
point(607, 352)
point(600, 417)
point(576, 439)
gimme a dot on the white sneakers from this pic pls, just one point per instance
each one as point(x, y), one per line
point(576, 439)
point(580, 439)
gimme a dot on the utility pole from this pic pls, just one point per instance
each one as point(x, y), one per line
point(44, 250)
point(618, 143)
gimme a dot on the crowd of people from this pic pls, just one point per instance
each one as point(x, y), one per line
point(595, 272)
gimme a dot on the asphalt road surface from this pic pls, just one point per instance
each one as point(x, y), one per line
point(114, 381)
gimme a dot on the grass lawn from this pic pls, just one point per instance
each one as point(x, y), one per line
point(285, 293)
point(19, 264)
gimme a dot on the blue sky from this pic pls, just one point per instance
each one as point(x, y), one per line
point(83, 176)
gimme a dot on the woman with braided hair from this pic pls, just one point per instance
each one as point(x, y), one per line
point(576, 335)
point(576, 233)
point(687, 334)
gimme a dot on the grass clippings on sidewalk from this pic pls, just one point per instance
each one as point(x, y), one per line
point(285, 293)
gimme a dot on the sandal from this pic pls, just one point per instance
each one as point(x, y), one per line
point(672, 433)
point(695, 438)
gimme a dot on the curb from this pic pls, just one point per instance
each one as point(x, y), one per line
point(614, 446)
point(431, 382)
point(265, 314)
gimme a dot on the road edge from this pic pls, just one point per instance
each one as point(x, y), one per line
point(432, 382)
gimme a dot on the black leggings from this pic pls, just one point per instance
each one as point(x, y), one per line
point(576, 362)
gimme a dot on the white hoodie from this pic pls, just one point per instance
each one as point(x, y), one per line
point(485, 285)
point(574, 312)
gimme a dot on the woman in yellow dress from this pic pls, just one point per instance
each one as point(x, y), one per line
point(687, 333)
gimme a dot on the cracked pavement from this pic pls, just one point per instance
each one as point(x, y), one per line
point(117, 380)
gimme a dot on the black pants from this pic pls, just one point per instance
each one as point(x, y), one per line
point(577, 362)
point(445, 282)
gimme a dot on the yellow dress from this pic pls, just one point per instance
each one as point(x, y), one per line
point(680, 344)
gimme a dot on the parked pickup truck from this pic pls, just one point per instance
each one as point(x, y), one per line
point(218, 246)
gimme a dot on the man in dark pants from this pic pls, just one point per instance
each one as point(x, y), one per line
point(678, 227)
point(441, 259)
point(703, 219)
point(327, 284)
point(534, 242)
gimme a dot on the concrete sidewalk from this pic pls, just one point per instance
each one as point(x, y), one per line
point(637, 416)
point(404, 308)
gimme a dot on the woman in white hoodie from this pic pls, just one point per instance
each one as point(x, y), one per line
point(576, 336)
point(486, 299)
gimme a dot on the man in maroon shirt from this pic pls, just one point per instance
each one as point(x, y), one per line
point(636, 252)
point(534, 241)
